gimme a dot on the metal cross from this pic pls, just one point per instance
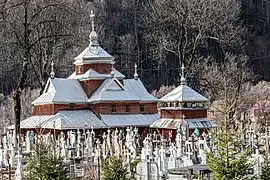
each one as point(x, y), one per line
point(92, 16)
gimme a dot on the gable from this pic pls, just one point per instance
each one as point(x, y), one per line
point(114, 86)
point(112, 90)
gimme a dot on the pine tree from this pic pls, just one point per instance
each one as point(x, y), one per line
point(265, 174)
point(113, 169)
point(228, 162)
point(44, 165)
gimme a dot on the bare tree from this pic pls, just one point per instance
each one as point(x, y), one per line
point(162, 91)
point(224, 83)
point(257, 103)
point(6, 104)
point(31, 25)
point(189, 29)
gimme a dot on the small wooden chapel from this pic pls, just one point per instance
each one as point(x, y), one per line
point(183, 106)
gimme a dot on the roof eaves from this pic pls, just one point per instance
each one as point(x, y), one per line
point(148, 101)
point(61, 102)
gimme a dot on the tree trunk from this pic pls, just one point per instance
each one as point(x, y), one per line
point(17, 99)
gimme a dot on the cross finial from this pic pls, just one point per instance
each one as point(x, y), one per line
point(93, 37)
point(92, 16)
point(183, 117)
point(135, 73)
point(183, 79)
point(52, 70)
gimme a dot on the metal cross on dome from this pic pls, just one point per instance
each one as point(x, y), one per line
point(52, 70)
point(92, 16)
point(93, 37)
point(136, 73)
point(183, 79)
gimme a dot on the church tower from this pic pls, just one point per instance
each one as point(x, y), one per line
point(94, 64)
point(182, 106)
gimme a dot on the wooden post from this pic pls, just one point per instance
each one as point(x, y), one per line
point(98, 169)
point(9, 172)
point(267, 139)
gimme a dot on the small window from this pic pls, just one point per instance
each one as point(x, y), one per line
point(127, 108)
point(113, 108)
point(141, 107)
point(71, 105)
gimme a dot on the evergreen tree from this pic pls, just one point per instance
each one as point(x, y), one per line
point(113, 169)
point(228, 162)
point(43, 165)
point(265, 174)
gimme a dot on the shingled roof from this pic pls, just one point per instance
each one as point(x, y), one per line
point(61, 90)
point(183, 93)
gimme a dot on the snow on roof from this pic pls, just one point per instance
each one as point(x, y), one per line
point(60, 90)
point(136, 87)
point(168, 123)
point(183, 93)
point(63, 120)
point(86, 119)
point(76, 119)
point(112, 90)
point(33, 122)
point(124, 120)
point(88, 56)
point(92, 74)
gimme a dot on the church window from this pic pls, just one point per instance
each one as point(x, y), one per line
point(71, 105)
point(127, 108)
point(79, 69)
point(141, 107)
point(113, 108)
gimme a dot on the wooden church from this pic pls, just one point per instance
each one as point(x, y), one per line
point(98, 96)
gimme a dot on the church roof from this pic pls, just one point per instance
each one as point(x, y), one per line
point(125, 120)
point(183, 93)
point(86, 119)
point(92, 74)
point(94, 53)
point(33, 122)
point(168, 123)
point(136, 87)
point(77, 119)
point(112, 90)
point(61, 90)
point(63, 120)
point(88, 56)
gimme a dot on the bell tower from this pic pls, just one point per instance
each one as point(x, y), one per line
point(94, 57)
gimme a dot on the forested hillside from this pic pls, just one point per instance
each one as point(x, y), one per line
point(158, 35)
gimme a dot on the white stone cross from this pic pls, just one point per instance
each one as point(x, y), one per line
point(116, 144)
point(28, 143)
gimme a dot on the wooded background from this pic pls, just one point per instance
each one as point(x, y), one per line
point(222, 44)
point(156, 34)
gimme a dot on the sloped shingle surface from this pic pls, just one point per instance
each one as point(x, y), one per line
point(61, 90)
point(183, 93)
point(137, 88)
point(125, 120)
